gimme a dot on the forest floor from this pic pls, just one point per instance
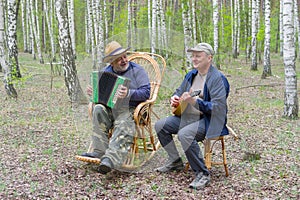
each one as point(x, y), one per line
point(41, 134)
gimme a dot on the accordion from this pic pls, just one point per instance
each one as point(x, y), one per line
point(105, 86)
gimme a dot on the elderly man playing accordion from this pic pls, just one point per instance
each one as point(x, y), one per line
point(113, 151)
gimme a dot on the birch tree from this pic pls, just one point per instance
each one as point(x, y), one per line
point(24, 29)
point(70, 4)
point(12, 38)
point(91, 31)
point(186, 32)
point(105, 19)
point(254, 36)
point(216, 31)
point(7, 67)
point(100, 36)
point(153, 28)
point(129, 24)
point(35, 28)
point(194, 22)
point(297, 25)
point(66, 53)
point(149, 22)
point(291, 104)
point(238, 27)
point(234, 27)
point(267, 60)
point(134, 21)
point(249, 30)
point(31, 37)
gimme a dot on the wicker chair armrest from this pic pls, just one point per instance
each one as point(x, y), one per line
point(142, 109)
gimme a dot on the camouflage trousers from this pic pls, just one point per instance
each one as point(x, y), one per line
point(123, 129)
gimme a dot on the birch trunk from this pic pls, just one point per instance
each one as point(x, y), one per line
point(129, 28)
point(291, 104)
point(134, 22)
point(105, 19)
point(254, 35)
point(27, 19)
point(281, 28)
point(67, 57)
point(249, 30)
point(91, 31)
point(100, 36)
point(238, 28)
point(35, 30)
point(24, 30)
point(153, 28)
point(234, 29)
point(149, 22)
point(163, 26)
point(216, 31)
point(296, 26)
point(194, 22)
point(9, 87)
point(187, 35)
point(95, 5)
point(12, 38)
point(267, 61)
point(159, 28)
point(70, 4)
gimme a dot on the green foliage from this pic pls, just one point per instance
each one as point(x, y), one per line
point(225, 38)
point(142, 17)
point(205, 22)
point(173, 17)
point(274, 28)
point(19, 81)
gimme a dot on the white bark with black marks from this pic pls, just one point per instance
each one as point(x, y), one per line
point(291, 104)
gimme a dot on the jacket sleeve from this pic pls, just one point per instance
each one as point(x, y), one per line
point(142, 91)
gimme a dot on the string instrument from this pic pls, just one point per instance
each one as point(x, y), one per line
point(178, 110)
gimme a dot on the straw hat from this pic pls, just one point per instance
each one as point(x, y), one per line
point(203, 47)
point(113, 51)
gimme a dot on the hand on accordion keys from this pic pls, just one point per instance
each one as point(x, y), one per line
point(122, 91)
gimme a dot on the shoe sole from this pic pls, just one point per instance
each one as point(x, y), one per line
point(172, 169)
point(88, 159)
point(199, 187)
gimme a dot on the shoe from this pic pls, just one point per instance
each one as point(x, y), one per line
point(105, 166)
point(201, 181)
point(171, 166)
point(91, 155)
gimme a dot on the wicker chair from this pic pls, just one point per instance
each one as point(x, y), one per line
point(145, 142)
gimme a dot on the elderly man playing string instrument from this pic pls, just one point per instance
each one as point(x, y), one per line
point(113, 151)
point(204, 116)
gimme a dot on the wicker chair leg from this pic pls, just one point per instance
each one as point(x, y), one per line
point(224, 157)
point(207, 153)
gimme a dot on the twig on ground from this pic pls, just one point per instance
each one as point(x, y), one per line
point(260, 85)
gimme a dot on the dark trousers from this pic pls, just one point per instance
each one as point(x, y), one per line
point(189, 129)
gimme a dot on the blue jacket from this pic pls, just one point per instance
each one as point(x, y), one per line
point(214, 103)
point(139, 88)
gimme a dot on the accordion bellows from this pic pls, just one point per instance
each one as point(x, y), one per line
point(105, 86)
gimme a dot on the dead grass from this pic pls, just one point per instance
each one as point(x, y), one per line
point(41, 134)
